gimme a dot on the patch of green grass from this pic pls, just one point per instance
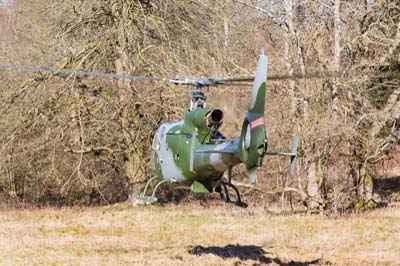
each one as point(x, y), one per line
point(75, 230)
point(195, 220)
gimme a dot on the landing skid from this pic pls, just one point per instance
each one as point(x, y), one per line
point(142, 199)
point(223, 190)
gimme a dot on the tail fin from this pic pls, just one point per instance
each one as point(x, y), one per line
point(252, 145)
point(257, 100)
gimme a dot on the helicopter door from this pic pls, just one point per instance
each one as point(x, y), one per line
point(165, 164)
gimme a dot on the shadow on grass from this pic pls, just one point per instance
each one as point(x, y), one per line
point(388, 188)
point(249, 252)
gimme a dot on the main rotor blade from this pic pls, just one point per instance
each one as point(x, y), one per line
point(322, 75)
point(240, 81)
point(316, 75)
point(78, 72)
point(277, 77)
point(243, 79)
point(239, 84)
point(274, 77)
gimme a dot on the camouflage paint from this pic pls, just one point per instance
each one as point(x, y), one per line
point(182, 151)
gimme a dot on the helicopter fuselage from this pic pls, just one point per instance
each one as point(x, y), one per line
point(193, 153)
point(190, 150)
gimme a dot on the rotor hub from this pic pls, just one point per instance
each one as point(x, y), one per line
point(197, 98)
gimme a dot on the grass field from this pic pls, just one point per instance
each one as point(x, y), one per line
point(190, 234)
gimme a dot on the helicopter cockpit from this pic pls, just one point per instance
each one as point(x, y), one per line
point(156, 145)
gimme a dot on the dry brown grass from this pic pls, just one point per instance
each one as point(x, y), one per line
point(189, 234)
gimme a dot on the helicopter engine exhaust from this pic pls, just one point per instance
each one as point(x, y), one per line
point(214, 118)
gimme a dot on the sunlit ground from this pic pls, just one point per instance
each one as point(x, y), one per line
point(189, 234)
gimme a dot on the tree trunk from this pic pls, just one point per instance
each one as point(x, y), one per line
point(336, 59)
point(132, 163)
point(289, 66)
point(299, 51)
point(365, 188)
point(314, 186)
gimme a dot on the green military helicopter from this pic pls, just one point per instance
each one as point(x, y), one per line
point(193, 153)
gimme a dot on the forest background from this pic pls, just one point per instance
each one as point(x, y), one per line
point(84, 140)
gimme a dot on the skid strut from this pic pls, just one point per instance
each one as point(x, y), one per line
point(223, 190)
point(142, 198)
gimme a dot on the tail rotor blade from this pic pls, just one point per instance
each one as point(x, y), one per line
point(293, 156)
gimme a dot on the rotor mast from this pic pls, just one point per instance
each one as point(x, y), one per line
point(197, 98)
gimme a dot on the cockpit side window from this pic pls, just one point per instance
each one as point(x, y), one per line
point(160, 132)
point(158, 137)
point(156, 143)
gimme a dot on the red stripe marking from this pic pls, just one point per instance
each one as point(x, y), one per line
point(257, 122)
